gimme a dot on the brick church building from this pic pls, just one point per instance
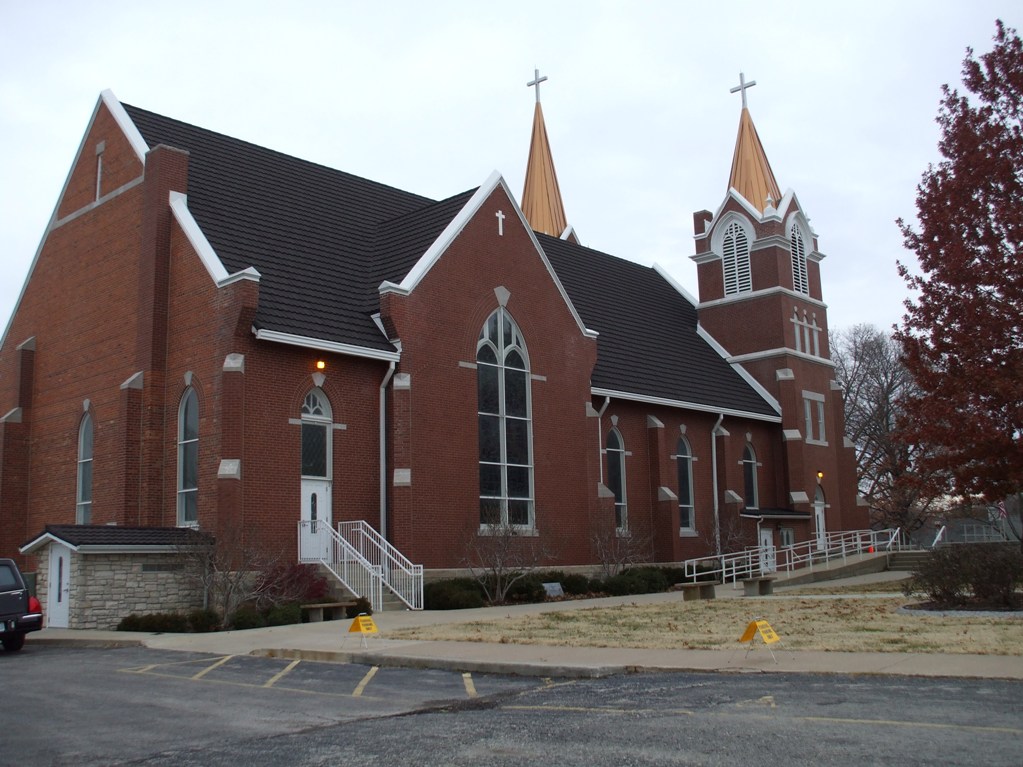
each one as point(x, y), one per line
point(215, 335)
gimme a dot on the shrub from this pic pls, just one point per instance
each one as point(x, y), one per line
point(169, 623)
point(361, 607)
point(528, 588)
point(284, 584)
point(452, 594)
point(284, 615)
point(202, 621)
point(575, 584)
point(981, 573)
point(247, 617)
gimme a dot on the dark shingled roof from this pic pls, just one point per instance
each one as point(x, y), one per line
point(309, 230)
point(323, 241)
point(111, 535)
point(648, 344)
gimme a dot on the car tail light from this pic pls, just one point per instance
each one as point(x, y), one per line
point(34, 606)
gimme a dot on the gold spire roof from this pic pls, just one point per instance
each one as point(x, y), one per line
point(751, 172)
point(541, 196)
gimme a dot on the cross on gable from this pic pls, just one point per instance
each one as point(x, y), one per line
point(740, 88)
point(536, 83)
point(500, 223)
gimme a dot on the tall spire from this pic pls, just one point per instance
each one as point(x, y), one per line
point(752, 176)
point(541, 196)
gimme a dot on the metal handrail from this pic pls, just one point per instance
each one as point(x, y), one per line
point(360, 576)
point(403, 578)
point(748, 563)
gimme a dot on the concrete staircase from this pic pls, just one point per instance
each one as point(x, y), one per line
point(339, 593)
point(907, 561)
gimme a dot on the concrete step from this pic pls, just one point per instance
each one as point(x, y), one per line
point(907, 560)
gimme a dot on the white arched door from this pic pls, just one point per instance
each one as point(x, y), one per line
point(818, 518)
point(316, 477)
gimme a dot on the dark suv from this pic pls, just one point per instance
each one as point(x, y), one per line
point(19, 611)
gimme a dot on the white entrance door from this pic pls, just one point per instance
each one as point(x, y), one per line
point(316, 514)
point(818, 515)
point(768, 554)
point(58, 586)
point(316, 517)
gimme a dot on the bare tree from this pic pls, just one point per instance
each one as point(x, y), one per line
point(499, 554)
point(229, 571)
point(868, 365)
point(618, 549)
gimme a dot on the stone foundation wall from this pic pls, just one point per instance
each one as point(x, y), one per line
point(107, 587)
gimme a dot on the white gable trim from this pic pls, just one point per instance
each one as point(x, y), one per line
point(681, 404)
point(325, 346)
point(108, 99)
point(128, 128)
point(676, 285)
point(455, 227)
point(196, 238)
point(768, 398)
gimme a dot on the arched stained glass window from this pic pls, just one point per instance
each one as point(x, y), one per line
point(83, 506)
point(188, 458)
point(616, 477)
point(749, 475)
point(505, 424)
point(316, 424)
point(684, 459)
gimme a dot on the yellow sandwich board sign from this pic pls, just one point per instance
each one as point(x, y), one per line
point(762, 629)
point(363, 624)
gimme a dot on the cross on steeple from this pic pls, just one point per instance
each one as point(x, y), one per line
point(740, 88)
point(536, 83)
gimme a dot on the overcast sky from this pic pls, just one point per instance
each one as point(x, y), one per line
point(432, 97)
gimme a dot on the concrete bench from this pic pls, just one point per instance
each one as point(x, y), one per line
point(699, 590)
point(325, 611)
point(760, 586)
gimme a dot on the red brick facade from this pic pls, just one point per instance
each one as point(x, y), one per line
point(120, 317)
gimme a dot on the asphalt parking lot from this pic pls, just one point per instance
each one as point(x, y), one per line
point(101, 707)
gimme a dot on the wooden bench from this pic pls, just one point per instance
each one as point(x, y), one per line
point(698, 590)
point(325, 611)
point(760, 586)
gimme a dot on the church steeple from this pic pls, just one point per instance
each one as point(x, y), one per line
point(541, 196)
point(751, 176)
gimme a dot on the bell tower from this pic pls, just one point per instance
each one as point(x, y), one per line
point(759, 274)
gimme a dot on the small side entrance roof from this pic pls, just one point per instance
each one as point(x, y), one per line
point(99, 539)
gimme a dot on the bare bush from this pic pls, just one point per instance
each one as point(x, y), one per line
point(498, 555)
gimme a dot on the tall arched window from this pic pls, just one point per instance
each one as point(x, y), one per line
point(83, 506)
point(797, 248)
point(735, 260)
point(749, 475)
point(616, 477)
point(505, 424)
point(316, 422)
point(684, 459)
point(188, 458)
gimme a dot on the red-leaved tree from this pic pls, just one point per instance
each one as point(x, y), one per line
point(962, 334)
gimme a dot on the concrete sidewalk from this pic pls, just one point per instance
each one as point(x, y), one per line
point(331, 641)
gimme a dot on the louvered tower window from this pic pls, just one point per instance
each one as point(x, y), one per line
point(735, 260)
point(796, 246)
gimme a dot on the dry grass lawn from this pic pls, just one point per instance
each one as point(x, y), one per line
point(811, 621)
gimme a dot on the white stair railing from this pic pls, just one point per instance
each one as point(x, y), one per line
point(318, 542)
point(745, 564)
point(400, 575)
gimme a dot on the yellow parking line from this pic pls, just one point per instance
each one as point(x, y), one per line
point(208, 669)
point(365, 680)
point(470, 688)
point(279, 674)
point(902, 723)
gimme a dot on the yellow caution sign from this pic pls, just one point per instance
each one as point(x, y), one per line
point(761, 627)
point(363, 624)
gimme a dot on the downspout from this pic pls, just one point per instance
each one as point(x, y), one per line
point(383, 449)
point(600, 437)
point(714, 477)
